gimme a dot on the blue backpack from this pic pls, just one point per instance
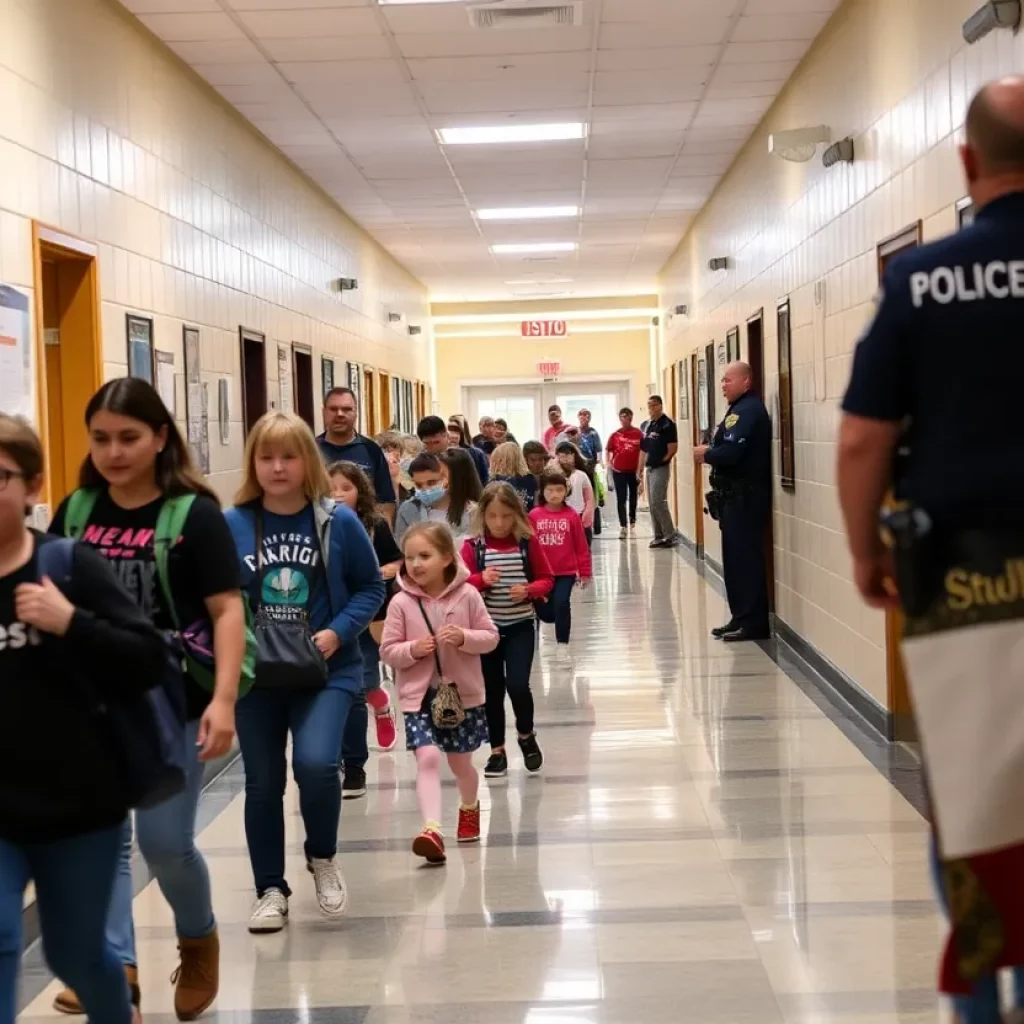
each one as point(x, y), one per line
point(147, 731)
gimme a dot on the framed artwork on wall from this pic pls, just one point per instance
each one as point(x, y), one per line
point(197, 416)
point(786, 435)
point(732, 345)
point(703, 418)
point(683, 390)
point(964, 213)
point(139, 331)
point(712, 387)
point(326, 375)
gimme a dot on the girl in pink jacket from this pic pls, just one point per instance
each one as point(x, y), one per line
point(436, 629)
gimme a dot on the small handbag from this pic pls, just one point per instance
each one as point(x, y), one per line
point(446, 710)
point(286, 657)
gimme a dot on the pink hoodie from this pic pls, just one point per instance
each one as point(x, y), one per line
point(459, 605)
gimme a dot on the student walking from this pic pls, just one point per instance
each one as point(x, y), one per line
point(560, 534)
point(63, 798)
point(314, 585)
point(509, 567)
point(581, 491)
point(144, 506)
point(441, 496)
point(352, 487)
point(623, 454)
point(509, 465)
point(436, 629)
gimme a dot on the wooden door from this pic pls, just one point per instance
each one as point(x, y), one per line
point(698, 473)
point(302, 384)
point(669, 375)
point(369, 410)
point(254, 377)
point(755, 360)
point(901, 717)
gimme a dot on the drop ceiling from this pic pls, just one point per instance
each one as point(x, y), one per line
point(353, 92)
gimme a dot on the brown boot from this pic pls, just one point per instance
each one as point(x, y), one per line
point(67, 1000)
point(197, 978)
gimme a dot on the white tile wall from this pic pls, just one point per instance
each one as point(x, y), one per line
point(897, 76)
point(106, 135)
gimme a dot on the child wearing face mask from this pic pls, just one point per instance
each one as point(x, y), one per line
point(436, 629)
point(438, 497)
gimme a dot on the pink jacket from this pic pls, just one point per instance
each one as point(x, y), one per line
point(459, 605)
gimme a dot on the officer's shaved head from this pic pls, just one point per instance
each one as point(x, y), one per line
point(994, 152)
point(737, 380)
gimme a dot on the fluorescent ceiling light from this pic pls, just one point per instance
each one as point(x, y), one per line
point(511, 133)
point(569, 314)
point(514, 248)
point(528, 212)
point(540, 283)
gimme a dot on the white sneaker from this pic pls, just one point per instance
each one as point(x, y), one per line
point(331, 893)
point(623, 533)
point(270, 914)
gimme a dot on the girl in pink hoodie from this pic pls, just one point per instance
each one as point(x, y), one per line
point(436, 629)
point(561, 535)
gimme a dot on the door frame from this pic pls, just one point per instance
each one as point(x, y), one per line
point(755, 360)
point(50, 241)
point(698, 472)
point(902, 727)
point(256, 337)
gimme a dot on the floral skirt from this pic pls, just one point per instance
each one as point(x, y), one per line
point(466, 738)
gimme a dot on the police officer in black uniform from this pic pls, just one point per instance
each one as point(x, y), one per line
point(935, 374)
point(740, 457)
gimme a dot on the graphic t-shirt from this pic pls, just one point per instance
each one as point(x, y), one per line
point(291, 579)
point(624, 449)
point(201, 564)
point(524, 486)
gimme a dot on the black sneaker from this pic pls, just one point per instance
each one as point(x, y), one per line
point(353, 786)
point(532, 757)
point(496, 767)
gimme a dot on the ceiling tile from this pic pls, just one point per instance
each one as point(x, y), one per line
point(498, 66)
point(293, 5)
point(332, 73)
point(766, 71)
point(348, 21)
point(791, 6)
point(479, 44)
point(757, 53)
point(172, 6)
point(620, 88)
point(693, 32)
point(192, 27)
point(614, 11)
point(327, 48)
point(779, 27)
point(666, 58)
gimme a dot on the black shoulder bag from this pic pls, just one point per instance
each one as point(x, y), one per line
point(446, 709)
point(286, 657)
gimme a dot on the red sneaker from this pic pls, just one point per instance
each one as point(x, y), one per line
point(469, 825)
point(387, 730)
point(430, 846)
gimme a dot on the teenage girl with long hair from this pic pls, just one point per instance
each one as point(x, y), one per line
point(461, 437)
point(352, 487)
point(509, 568)
point(137, 462)
point(309, 572)
point(63, 804)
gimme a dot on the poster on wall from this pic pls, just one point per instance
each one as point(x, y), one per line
point(139, 330)
point(327, 374)
point(17, 387)
point(683, 390)
point(224, 410)
point(286, 391)
point(165, 381)
point(196, 413)
point(702, 396)
point(355, 378)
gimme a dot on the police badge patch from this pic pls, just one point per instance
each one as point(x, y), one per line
point(731, 421)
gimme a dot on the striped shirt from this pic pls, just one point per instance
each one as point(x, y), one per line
point(505, 611)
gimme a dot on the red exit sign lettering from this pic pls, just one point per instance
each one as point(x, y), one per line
point(544, 329)
point(549, 368)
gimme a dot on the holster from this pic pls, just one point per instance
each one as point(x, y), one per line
point(917, 558)
point(714, 504)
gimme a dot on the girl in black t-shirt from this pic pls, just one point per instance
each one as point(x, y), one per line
point(62, 791)
point(137, 460)
point(351, 486)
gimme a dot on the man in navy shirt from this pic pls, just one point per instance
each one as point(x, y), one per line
point(340, 442)
point(657, 450)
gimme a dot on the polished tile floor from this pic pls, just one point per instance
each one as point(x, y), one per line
point(708, 843)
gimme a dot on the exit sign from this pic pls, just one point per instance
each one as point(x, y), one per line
point(549, 368)
point(544, 329)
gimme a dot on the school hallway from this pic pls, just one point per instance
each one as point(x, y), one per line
point(709, 841)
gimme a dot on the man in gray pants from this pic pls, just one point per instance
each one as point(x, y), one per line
point(658, 449)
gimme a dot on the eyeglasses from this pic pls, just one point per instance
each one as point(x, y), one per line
point(7, 475)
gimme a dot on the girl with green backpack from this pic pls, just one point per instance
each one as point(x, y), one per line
point(143, 505)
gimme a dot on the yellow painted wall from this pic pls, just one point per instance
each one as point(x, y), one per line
point(897, 76)
point(199, 221)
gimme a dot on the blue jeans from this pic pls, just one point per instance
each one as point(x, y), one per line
point(982, 1006)
point(558, 607)
point(74, 879)
point(355, 751)
point(316, 721)
point(167, 841)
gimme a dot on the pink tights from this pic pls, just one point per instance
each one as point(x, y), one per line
point(428, 780)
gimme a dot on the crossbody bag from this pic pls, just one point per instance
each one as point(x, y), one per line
point(446, 708)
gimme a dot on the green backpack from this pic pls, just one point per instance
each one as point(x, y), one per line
point(169, 525)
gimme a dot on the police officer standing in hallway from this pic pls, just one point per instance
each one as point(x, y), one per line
point(740, 457)
point(943, 354)
point(657, 450)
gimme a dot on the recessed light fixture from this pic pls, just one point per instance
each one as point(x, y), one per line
point(528, 213)
point(514, 248)
point(480, 136)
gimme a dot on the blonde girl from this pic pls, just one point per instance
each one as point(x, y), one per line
point(510, 569)
point(436, 629)
point(509, 465)
point(307, 564)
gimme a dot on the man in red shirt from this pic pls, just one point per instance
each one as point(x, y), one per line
point(554, 433)
point(623, 452)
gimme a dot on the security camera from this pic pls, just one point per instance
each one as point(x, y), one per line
point(681, 310)
point(840, 152)
point(995, 14)
point(719, 263)
point(798, 144)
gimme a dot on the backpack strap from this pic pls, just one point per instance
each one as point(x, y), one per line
point(480, 548)
point(78, 511)
point(55, 559)
point(524, 550)
point(169, 526)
